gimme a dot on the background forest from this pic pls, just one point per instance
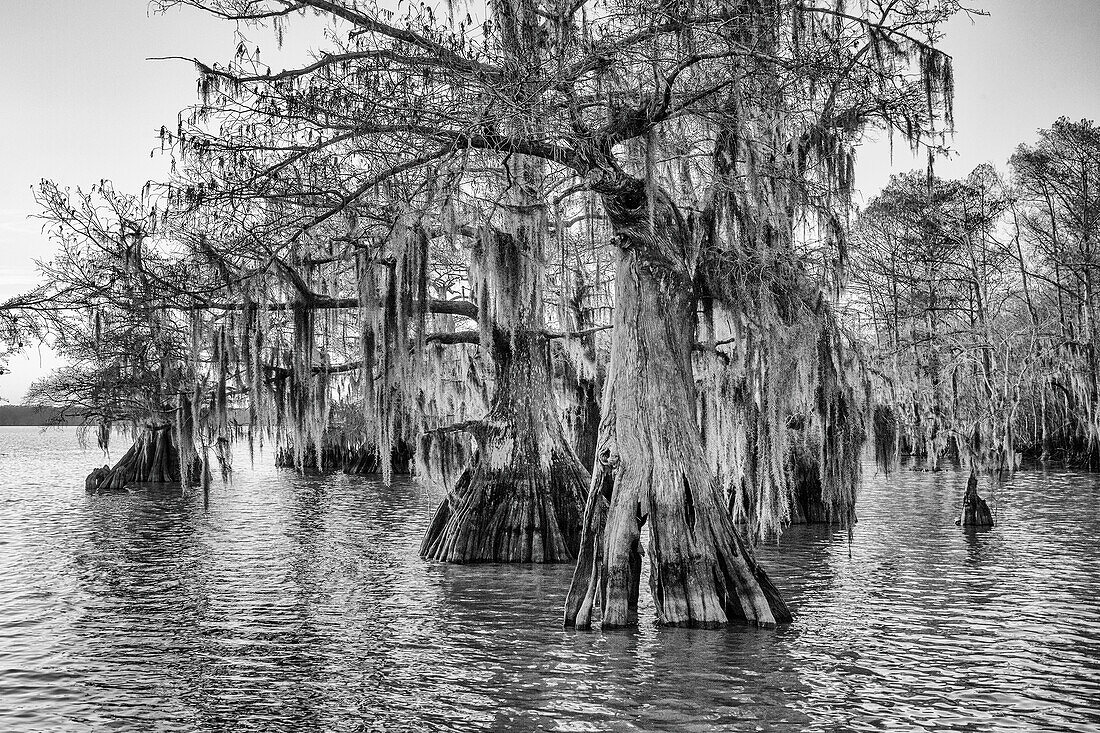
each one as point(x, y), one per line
point(587, 270)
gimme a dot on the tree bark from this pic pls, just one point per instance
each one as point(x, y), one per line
point(650, 468)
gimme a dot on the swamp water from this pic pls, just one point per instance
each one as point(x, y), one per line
point(296, 603)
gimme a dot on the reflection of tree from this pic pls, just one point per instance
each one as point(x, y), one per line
point(982, 545)
point(263, 641)
point(137, 569)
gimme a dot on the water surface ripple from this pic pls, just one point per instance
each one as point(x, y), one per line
point(299, 604)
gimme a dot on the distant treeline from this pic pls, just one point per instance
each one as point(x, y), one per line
point(39, 415)
point(33, 415)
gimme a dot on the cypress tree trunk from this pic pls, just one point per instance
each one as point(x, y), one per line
point(520, 498)
point(650, 466)
point(1044, 431)
point(804, 461)
point(153, 458)
point(975, 511)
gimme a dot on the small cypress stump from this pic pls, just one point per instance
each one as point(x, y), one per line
point(975, 511)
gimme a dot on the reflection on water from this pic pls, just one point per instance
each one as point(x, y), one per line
point(299, 604)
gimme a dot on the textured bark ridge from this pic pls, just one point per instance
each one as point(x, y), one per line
point(153, 458)
point(975, 511)
point(520, 498)
point(650, 466)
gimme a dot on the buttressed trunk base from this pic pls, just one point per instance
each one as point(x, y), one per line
point(520, 498)
point(650, 469)
point(153, 458)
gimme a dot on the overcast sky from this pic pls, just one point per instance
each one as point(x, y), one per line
point(81, 103)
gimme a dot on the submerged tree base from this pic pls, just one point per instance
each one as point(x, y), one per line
point(354, 460)
point(808, 505)
point(519, 514)
point(651, 473)
point(975, 511)
point(152, 459)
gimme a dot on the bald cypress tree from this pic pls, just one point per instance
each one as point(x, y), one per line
point(717, 143)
